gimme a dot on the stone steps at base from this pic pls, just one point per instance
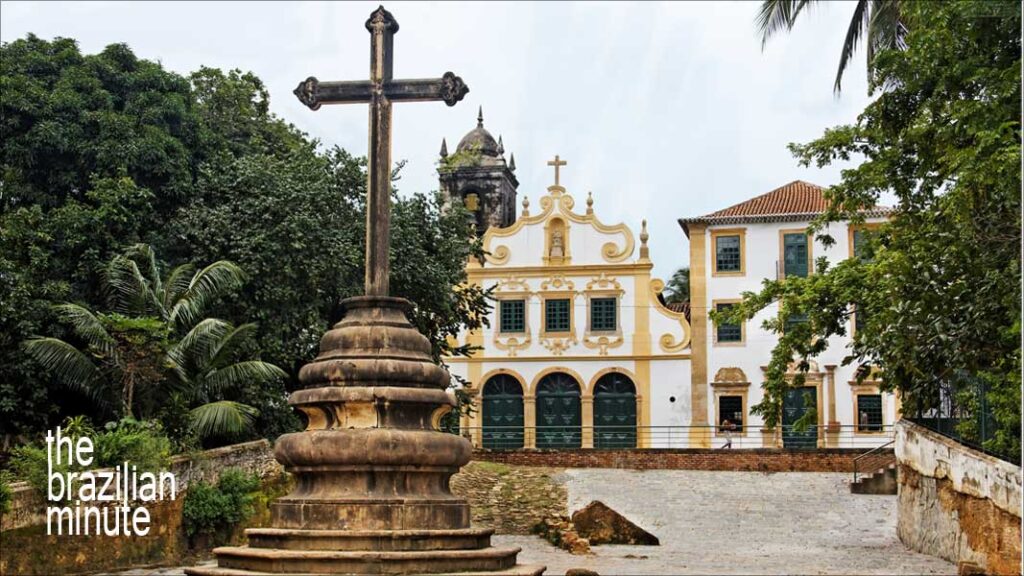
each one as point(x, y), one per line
point(369, 540)
point(517, 570)
point(274, 560)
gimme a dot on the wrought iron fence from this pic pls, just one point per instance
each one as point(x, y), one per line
point(959, 409)
point(874, 460)
point(676, 437)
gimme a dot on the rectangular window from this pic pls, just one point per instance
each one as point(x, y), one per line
point(603, 314)
point(794, 248)
point(513, 316)
point(727, 253)
point(728, 332)
point(860, 317)
point(556, 315)
point(794, 319)
point(869, 412)
point(862, 246)
point(730, 408)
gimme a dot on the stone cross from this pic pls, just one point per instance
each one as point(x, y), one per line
point(380, 91)
point(557, 163)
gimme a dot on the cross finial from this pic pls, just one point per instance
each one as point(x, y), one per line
point(557, 163)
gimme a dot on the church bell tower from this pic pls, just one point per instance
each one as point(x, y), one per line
point(478, 177)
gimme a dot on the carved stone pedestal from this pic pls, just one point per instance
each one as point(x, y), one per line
point(372, 473)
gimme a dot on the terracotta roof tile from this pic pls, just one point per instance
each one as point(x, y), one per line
point(797, 197)
point(796, 201)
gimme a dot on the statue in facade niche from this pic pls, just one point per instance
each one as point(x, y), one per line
point(557, 245)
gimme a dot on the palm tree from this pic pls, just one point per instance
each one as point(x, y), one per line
point(205, 365)
point(123, 353)
point(134, 286)
point(879, 21)
point(678, 287)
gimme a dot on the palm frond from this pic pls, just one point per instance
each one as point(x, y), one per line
point(239, 373)
point(222, 418)
point(207, 284)
point(858, 27)
point(145, 255)
point(190, 355)
point(230, 344)
point(777, 15)
point(177, 283)
point(128, 290)
point(69, 365)
point(88, 327)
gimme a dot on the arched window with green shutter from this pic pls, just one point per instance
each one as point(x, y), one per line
point(559, 413)
point(614, 412)
point(502, 413)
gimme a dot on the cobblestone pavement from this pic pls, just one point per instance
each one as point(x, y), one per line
point(737, 523)
point(730, 523)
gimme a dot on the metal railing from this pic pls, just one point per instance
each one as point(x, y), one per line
point(677, 437)
point(874, 460)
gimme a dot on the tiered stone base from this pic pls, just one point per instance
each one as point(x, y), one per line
point(372, 472)
point(366, 552)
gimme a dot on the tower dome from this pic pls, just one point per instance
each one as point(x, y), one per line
point(479, 140)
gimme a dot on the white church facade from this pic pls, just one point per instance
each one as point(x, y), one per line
point(582, 352)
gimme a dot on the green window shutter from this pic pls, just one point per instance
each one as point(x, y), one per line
point(860, 317)
point(556, 315)
point(869, 416)
point(512, 316)
point(603, 314)
point(795, 254)
point(727, 253)
point(794, 319)
point(728, 332)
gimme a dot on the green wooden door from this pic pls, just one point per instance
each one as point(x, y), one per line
point(503, 413)
point(559, 414)
point(614, 412)
point(795, 403)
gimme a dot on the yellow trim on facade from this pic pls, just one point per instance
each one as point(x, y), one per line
point(866, 387)
point(495, 273)
point(667, 342)
point(551, 370)
point(714, 327)
point(715, 234)
point(577, 357)
point(699, 335)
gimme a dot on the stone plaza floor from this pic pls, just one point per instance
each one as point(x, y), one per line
point(730, 523)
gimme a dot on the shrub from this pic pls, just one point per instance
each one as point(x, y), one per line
point(142, 444)
point(215, 509)
point(5, 492)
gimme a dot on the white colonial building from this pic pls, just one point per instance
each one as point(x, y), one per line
point(582, 352)
point(732, 251)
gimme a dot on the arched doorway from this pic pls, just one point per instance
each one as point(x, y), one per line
point(502, 413)
point(559, 414)
point(614, 412)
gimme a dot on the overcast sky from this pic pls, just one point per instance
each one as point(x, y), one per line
point(662, 110)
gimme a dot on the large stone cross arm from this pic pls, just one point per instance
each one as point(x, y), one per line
point(448, 88)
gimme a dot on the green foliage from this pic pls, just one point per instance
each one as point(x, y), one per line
point(942, 288)
point(678, 287)
point(213, 509)
point(142, 444)
point(877, 24)
point(102, 153)
point(6, 494)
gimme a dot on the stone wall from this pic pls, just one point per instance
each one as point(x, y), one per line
point(27, 549)
point(957, 503)
point(756, 460)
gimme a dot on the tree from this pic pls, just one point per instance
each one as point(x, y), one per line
point(879, 24)
point(678, 287)
point(941, 290)
point(142, 360)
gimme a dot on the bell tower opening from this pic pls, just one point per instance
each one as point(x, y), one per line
point(478, 176)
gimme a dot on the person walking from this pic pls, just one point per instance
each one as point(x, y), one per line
point(728, 427)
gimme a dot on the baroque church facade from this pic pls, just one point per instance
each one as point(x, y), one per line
point(581, 350)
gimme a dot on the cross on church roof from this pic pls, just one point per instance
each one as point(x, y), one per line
point(557, 163)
